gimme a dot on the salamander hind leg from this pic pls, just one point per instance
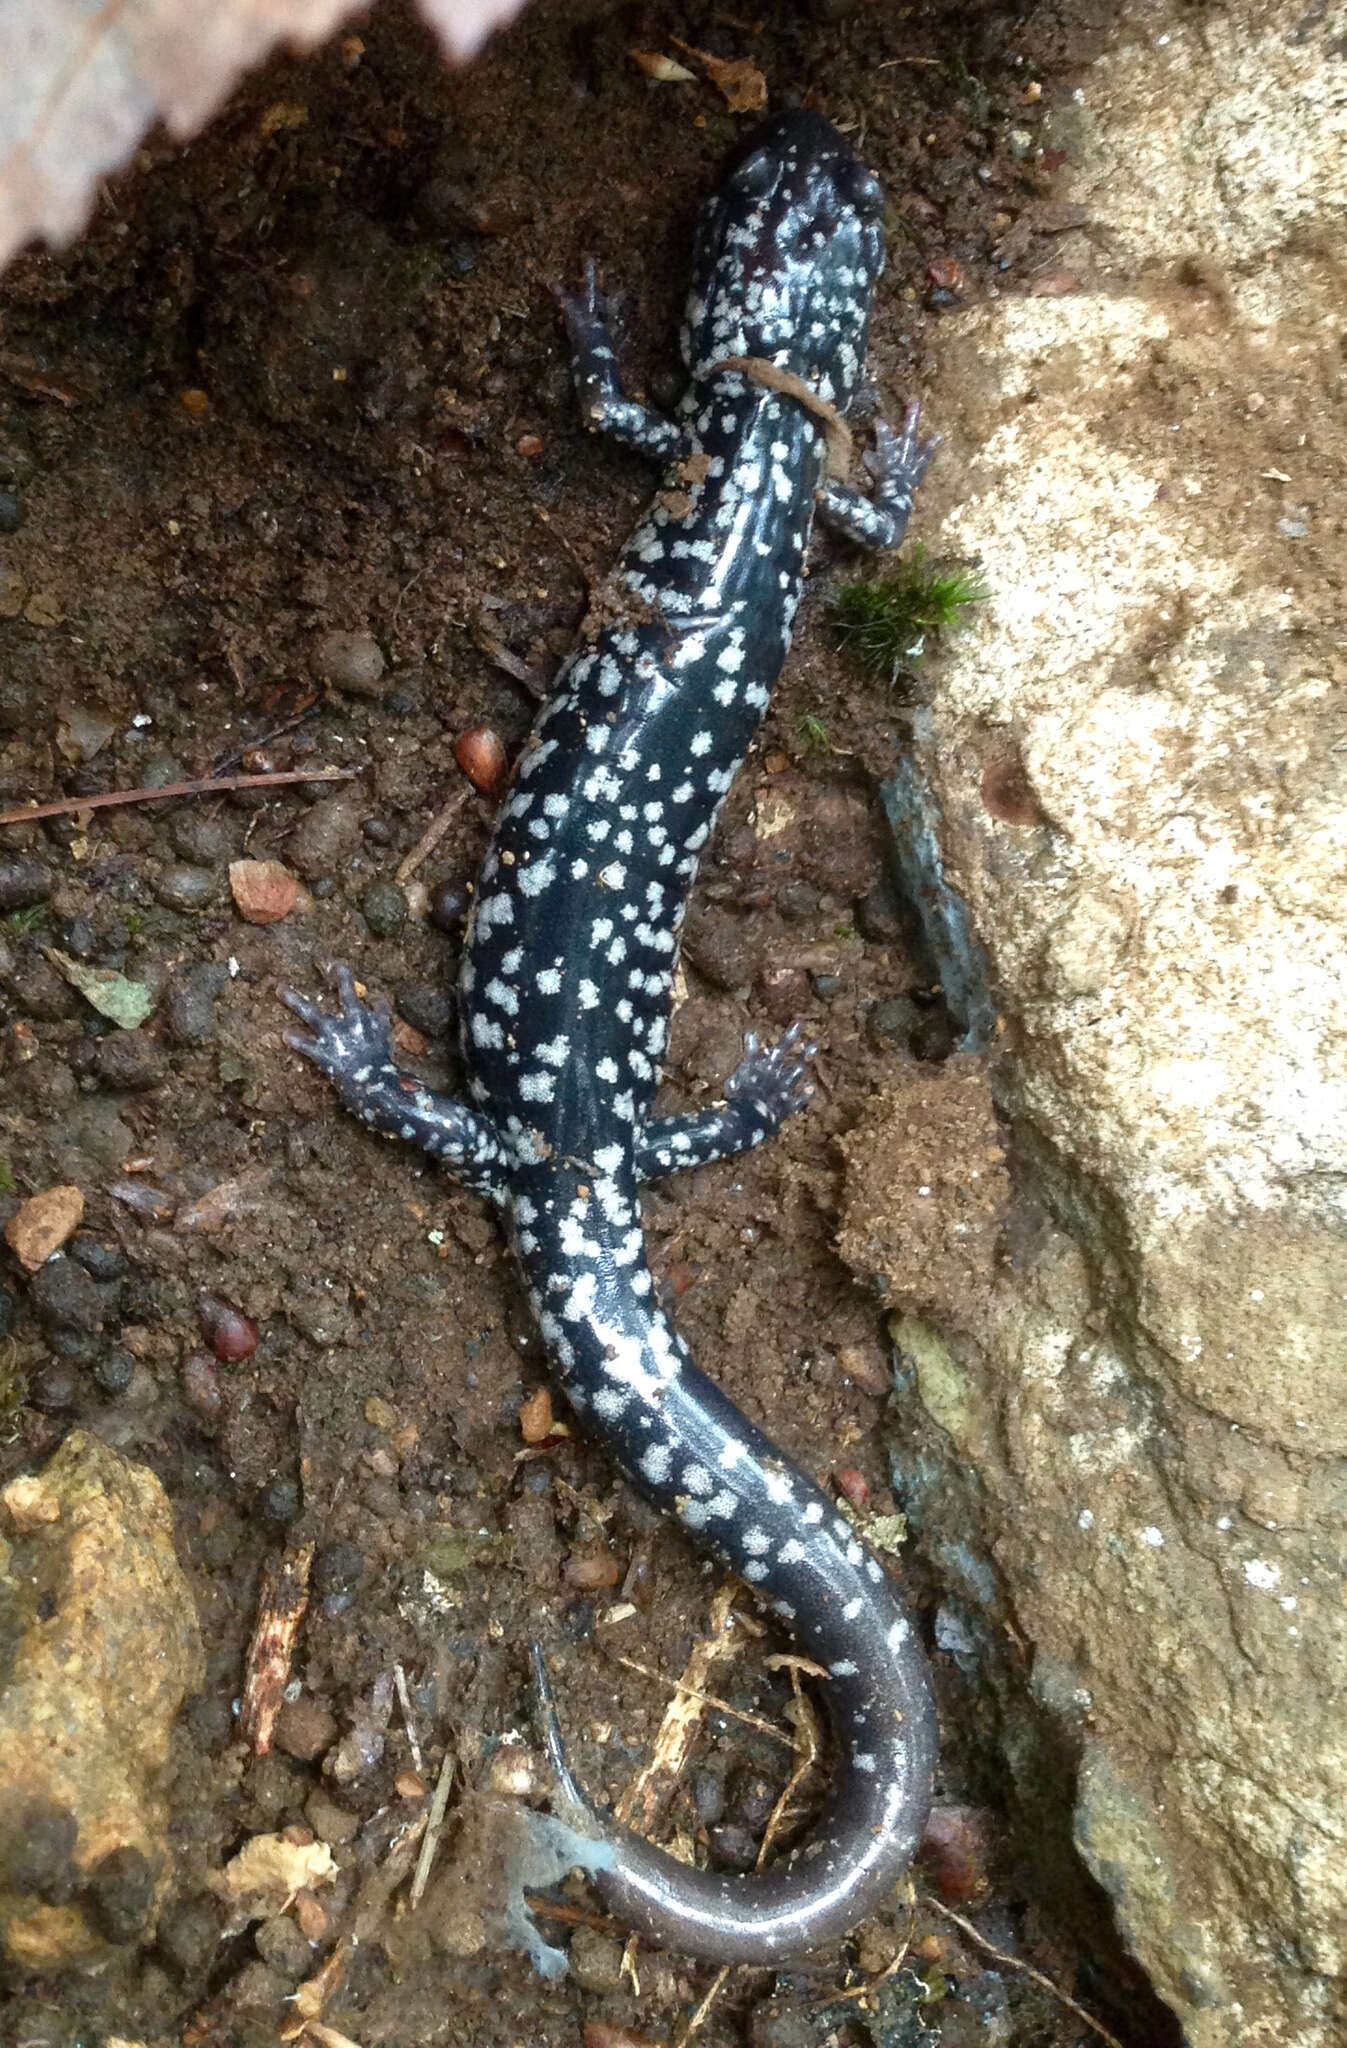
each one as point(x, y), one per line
point(354, 1050)
point(770, 1084)
point(596, 379)
point(897, 463)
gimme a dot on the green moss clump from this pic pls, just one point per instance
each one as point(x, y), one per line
point(889, 620)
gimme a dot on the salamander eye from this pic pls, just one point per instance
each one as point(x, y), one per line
point(756, 175)
point(866, 195)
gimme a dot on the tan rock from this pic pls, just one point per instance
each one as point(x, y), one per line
point(98, 1674)
point(42, 1224)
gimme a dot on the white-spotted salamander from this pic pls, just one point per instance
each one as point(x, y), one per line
point(567, 974)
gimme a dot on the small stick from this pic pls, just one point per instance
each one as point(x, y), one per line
point(434, 1823)
point(998, 1955)
point(680, 1687)
point(215, 785)
point(282, 1602)
point(432, 835)
point(405, 1698)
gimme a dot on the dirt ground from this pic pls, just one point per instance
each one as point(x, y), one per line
point(305, 377)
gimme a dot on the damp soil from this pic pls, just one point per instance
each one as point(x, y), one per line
point(304, 379)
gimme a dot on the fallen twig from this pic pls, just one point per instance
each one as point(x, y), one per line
point(215, 785)
point(999, 1955)
point(699, 1698)
point(405, 1698)
point(432, 835)
point(434, 1823)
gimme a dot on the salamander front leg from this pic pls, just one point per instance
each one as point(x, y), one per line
point(897, 462)
point(596, 379)
point(765, 1088)
point(355, 1051)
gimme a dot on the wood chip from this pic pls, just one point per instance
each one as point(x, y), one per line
point(282, 1602)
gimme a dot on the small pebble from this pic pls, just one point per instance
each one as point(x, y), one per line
point(577, 1621)
point(448, 906)
point(189, 1934)
point(879, 915)
point(198, 837)
point(279, 1942)
point(129, 1059)
point(199, 1378)
point(797, 901)
point(379, 831)
point(780, 2025)
point(329, 1821)
point(120, 1894)
point(264, 891)
point(852, 1485)
point(53, 1387)
point(305, 1728)
point(427, 1007)
point(100, 1261)
point(890, 1023)
point(24, 882)
point(181, 887)
point(826, 986)
point(352, 662)
point(43, 609)
point(76, 936)
point(231, 1335)
point(190, 1008)
point(278, 1502)
point(257, 1988)
point(734, 1846)
point(751, 1799)
point(326, 837)
point(955, 1850)
point(114, 1371)
point(62, 1292)
point(384, 908)
point(78, 1347)
point(11, 511)
point(708, 1796)
point(337, 1571)
point(596, 1960)
point(480, 753)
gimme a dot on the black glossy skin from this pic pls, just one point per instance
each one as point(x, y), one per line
point(566, 984)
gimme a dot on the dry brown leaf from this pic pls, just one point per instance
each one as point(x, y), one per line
point(80, 84)
point(268, 1873)
point(741, 84)
point(41, 1225)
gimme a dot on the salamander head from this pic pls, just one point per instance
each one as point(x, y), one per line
point(787, 255)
